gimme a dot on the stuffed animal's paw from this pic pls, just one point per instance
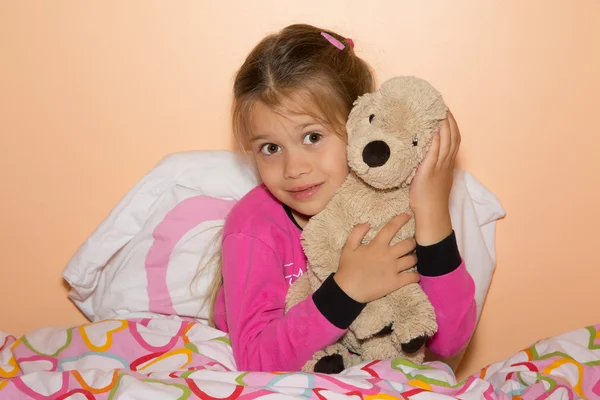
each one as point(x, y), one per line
point(376, 319)
point(333, 360)
point(331, 364)
point(411, 341)
point(325, 363)
point(414, 345)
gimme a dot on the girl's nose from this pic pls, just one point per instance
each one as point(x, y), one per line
point(296, 165)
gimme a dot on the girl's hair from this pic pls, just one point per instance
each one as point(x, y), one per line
point(297, 70)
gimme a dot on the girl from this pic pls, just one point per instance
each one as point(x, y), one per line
point(292, 97)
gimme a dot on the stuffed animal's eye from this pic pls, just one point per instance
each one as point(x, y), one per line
point(371, 117)
point(415, 142)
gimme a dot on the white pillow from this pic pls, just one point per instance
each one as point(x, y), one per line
point(474, 211)
point(143, 257)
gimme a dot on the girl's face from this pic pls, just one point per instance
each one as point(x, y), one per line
point(299, 160)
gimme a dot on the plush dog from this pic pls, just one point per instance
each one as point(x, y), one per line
point(389, 133)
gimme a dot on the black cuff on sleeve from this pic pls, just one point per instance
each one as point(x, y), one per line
point(440, 258)
point(335, 305)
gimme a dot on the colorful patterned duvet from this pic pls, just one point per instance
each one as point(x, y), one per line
point(173, 359)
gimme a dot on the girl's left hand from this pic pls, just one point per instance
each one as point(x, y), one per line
point(430, 188)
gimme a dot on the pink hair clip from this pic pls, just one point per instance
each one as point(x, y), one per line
point(333, 41)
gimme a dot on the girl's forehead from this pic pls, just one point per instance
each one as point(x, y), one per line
point(268, 120)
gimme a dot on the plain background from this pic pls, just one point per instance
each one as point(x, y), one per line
point(93, 94)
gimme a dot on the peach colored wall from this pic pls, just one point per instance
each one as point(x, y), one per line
point(92, 94)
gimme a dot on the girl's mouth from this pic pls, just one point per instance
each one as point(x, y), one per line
point(305, 192)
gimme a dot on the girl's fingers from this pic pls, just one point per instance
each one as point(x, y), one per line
point(404, 247)
point(356, 236)
point(406, 278)
point(445, 142)
point(431, 158)
point(387, 233)
point(455, 135)
point(406, 262)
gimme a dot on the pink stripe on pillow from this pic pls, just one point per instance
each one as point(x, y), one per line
point(186, 215)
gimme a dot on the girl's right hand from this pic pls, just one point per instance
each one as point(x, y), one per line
point(372, 271)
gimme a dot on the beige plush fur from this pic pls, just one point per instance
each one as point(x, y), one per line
point(403, 114)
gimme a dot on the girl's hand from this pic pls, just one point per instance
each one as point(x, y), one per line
point(430, 189)
point(369, 272)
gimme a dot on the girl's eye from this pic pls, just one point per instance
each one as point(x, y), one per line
point(312, 138)
point(269, 148)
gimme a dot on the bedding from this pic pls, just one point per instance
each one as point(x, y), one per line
point(150, 357)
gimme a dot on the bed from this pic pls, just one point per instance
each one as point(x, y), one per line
point(167, 357)
point(148, 336)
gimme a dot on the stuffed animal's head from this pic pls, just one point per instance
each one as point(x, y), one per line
point(389, 131)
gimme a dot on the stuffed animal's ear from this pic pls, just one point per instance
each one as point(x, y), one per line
point(361, 106)
point(359, 115)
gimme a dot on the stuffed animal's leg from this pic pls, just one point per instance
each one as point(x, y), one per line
point(376, 318)
point(333, 360)
point(415, 320)
point(380, 347)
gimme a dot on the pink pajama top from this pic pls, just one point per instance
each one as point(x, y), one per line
point(262, 257)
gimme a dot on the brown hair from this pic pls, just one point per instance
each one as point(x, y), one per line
point(296, 68)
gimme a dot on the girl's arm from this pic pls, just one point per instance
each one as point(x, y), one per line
point(444, 277)
point(451, 290)
point(262, 336)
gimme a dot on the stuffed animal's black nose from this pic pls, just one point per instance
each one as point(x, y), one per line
point(376, 153)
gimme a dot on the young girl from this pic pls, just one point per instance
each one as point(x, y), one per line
point(292, 97)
